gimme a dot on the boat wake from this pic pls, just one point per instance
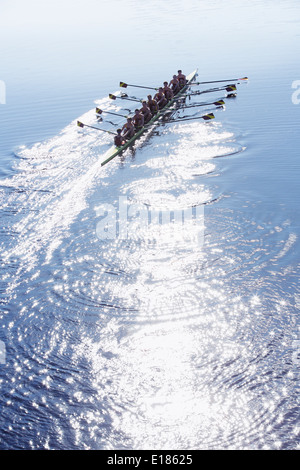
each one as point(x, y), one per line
point(53, 181)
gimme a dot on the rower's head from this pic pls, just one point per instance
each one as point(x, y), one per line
point(129, 119)
point(137, 111)
point(119, 131)
point(174, 76)
point(179, 71)
point(165, 83)
point(149, 97)
point(160, 89)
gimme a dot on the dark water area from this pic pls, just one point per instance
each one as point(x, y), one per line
point(156, 334)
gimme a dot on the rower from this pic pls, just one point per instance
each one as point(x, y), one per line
point(168, 92)
point(160, 98)
point(119, 139)
point(181, 78)
point(138, 120)
point(128, 129)
point(146, 112)
point(152, 105)
point(174, 84)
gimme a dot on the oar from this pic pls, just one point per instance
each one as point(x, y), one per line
point(220, 81)
point(80, 124)
point(212, 90)
point(125, 85)
point(206, 117)
point(100, 111)
point(217, 103)
point(124, 97)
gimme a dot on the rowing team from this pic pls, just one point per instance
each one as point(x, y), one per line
point(150, 108)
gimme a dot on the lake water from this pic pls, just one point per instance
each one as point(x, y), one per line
point(166, 335)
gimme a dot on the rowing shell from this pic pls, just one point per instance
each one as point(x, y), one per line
point(114, 151)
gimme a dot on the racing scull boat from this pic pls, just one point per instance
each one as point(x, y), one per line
point(115, 151)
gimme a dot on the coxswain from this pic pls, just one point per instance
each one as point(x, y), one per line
point(181, 78)
point(119, 139)
point(128, 129)
point(138, 120)
point(152, 105)
point(146, 112)
point(168, 92)
point(160, 98)
point(174, 84)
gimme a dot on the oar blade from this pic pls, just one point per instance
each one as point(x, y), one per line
point(112, 97)
point(230, 88)
point(99, 111)
point(80, 124)
point(219, 103)
point(208, 117)
point(123, 85)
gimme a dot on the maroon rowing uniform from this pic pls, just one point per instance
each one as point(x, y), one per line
point(152, 105)
point(119, 139)
point(181, 78)
point(160, 98)
point(168, 92)
point(128, 129)
point(138, 120)
point(146, 112)
point(174, 84)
